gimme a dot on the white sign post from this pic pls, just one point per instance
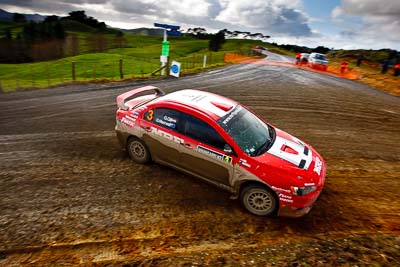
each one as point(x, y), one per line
point(173, 30)
point(175, 69)
point(204, 61)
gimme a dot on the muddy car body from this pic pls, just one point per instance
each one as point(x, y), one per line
point(218, 140)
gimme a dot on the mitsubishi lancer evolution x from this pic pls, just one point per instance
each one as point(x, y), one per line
point(224, 143)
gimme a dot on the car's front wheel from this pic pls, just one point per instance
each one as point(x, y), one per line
point(258, 200)
point(138, 150)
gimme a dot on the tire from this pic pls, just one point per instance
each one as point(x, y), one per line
point(138, 150)
point(259, 200)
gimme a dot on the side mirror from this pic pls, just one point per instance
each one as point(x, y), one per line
point(228, 149)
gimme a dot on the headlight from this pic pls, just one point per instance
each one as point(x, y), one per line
point(302, 191)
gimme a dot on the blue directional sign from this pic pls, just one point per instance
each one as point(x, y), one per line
point(167, 26)
point(174, 33)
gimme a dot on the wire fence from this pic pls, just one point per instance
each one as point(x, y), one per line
point(46, 74)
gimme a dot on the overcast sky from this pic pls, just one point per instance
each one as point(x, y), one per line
point(344, 24)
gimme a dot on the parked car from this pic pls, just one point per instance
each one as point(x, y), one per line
point(224, 143)
point(304, 57)
point(318, 61)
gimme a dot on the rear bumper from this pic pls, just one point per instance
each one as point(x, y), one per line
point(122, 138)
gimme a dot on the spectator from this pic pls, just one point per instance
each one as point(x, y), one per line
point(343, 67)
point(385, 66)
point(298, 56)
point(360, 59)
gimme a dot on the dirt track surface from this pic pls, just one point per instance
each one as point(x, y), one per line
point(69, 195)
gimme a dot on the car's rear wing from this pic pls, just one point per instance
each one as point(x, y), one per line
point(125, 97)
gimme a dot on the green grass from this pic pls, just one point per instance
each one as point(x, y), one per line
point(139, 59)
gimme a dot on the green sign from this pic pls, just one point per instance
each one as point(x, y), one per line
point(165, 48)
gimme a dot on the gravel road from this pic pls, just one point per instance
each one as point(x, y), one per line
point(69, 195)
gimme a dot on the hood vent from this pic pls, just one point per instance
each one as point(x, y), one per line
point(225, 107)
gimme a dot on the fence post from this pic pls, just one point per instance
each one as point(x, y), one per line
point(204, 61)
point(73, 71)
point(17, 78)
point(121, 73)
point(32, 79)
point(48, 75)
point(133, 67)
point(94, 70)
point(168, 66)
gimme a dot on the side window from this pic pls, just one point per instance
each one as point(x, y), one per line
point(167, 118)
point(202, 132)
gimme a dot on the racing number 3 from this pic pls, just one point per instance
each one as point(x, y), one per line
point(150, 115)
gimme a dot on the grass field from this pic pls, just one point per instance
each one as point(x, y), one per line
point(139, 59)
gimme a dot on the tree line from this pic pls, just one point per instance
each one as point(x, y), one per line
point(48, 40)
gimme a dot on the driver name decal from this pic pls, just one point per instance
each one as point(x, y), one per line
point(214, 154)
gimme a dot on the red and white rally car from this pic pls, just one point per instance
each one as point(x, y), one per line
point(218, 140)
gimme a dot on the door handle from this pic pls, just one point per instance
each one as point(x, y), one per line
point(186, 145)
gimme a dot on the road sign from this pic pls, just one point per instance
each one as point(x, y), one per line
point(175, 69)
point(174, 33)
point(166, 26)
point(165, 48)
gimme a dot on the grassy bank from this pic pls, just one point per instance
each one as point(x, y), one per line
point(138, 60)
point(370, 74)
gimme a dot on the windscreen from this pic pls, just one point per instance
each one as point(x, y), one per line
point(251, 134)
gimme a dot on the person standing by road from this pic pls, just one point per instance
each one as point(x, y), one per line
point(343, 67)
point(385, 66)
point(298, 57)
point(360, 59)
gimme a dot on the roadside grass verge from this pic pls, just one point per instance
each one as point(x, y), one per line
point(370, 74)
point(138, 61)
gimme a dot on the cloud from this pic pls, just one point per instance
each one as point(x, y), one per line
point(371, 7)
point(277, 16)
point(369, 20)
point(269, 17)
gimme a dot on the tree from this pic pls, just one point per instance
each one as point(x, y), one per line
point(59, 31)
point(119, 40)
point(216, 41)
point(50, 19)
point(81, 17)
point(321, 49)
point(30, 31)
point(72, 44)
point(198, 32)
point(7, 34)
point(19, 18)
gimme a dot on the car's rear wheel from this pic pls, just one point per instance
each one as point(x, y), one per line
point(138, 150)
point(259, 200)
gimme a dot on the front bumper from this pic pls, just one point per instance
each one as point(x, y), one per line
point(301, 206)
point(288, 211)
